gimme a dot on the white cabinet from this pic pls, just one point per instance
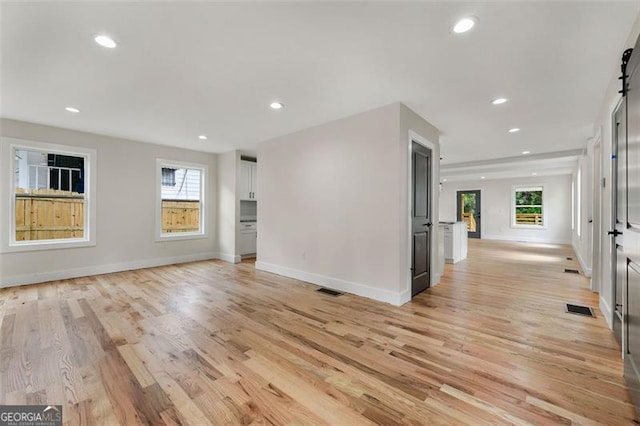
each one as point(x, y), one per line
point(248, 180)
point(441, 234)
point(248, 238)
point(455, 242)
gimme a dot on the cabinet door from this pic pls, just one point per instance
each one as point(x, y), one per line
point(254, 181)
point(248, 242)
point(253, 243)
point(245, 180)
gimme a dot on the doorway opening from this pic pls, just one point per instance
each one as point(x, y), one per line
point(469, 207)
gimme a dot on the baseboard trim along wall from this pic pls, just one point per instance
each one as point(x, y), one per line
point(358, 289)
point(42, 277)
point(583, 265)
point(231, 258)
point(606, 311)
point(524, 239)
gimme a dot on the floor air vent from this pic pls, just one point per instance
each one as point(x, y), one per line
point(579, 310)
point(329, 292)
point(571, 271)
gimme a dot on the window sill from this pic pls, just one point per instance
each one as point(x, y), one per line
point(35, 245)
point(540, 227)
point(178, 237)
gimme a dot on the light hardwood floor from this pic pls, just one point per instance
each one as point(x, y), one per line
point(211, 342)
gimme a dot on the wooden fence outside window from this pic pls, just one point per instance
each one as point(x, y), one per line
point(180, 216)
point(528, 219)
point(48, 214)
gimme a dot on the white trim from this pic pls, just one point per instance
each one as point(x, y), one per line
point(227, 257)
point(435, 185)
point(606, 312)
point(204, 173)
point(358, 289)
point(525, 239)
point(583, 265)
point(596, 214)
point(86, 271)
point(9, 243)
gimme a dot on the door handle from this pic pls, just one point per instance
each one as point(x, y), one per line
point(428, 225)
point(615, 233)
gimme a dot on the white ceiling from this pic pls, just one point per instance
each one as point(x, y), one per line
point(186, 69)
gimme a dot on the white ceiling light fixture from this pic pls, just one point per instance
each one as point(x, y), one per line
point(276, 105)
point(514, 130)
point(72, 109)
point(499, 101)
point(464, 25)
point(526, 152)
point(105, 41)
point(202, 137)
point(534, 174)
point(444, 180)
point(482, 177)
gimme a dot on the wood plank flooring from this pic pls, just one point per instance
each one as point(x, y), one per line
point(215, 343)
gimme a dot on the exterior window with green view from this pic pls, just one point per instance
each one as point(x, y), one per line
point(528, 206)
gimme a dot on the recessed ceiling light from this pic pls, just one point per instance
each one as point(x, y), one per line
point(105, 41)
point(526, 152)
point(464, 25)
point(203, 137)
point(444, 180)
point(482, 177)
point(499, 101)
point(276, 105)
point(534, 174)
point(514, 130)
point(72, 109)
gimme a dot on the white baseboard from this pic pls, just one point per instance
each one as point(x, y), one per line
point(363, 290)
point(41, 277)
point(606, 311)
point(436, 279)
point(524, 239)
point(583, 265)
point(231, 258)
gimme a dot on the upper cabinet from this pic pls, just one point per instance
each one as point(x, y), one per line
point(248, 180)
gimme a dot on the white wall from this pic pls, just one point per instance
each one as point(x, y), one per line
point(603, 127)
point(496, 207)
point(126, 208)
point(226, 219)
point(333, 203)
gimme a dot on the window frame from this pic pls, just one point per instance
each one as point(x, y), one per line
point(528, 187)
point(173, 164)
point(8, 212)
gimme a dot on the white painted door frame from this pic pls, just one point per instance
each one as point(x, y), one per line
point(434, 276)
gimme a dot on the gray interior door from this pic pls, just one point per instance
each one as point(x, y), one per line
point(469, 207)
point(619, 216)
point(630, 239)
point(421, 218)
